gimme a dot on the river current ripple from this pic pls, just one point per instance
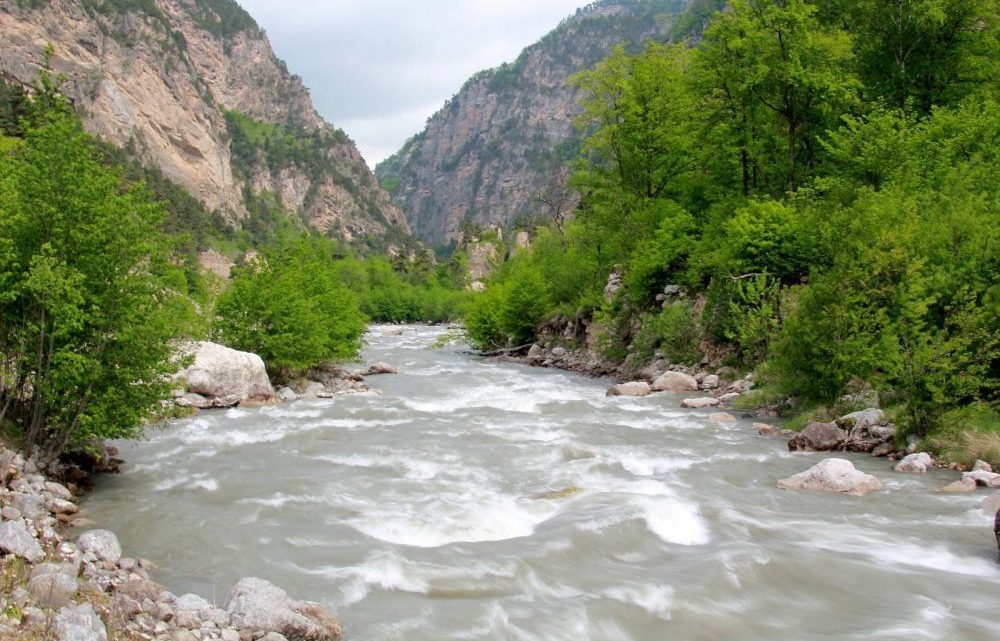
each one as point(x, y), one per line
point(435, 511)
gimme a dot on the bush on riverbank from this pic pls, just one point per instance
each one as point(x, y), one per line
point(831, 219)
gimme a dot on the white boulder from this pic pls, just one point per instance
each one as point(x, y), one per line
point(222, 374)
point(833, 476)
point(675, 382)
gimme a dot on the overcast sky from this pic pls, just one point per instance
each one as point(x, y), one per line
point(379, 68)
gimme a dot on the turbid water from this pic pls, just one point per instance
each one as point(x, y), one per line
point(423, 514)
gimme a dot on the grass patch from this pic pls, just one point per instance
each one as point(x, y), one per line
point(966, 435)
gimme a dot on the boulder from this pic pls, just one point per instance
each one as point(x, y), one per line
point(983, 478)
point(259, 605)
point(961, 485)
point(80, 623)
point(982, 466)
point(699, 403)
point(380, 368)
point(991, 504)
point(864, 419)
point(818, 437)
point(219, 372)
point(917, 463)
point(54, 589)
point(101, 543)
point(29, 505)
point(190, 399)
point(559, 352)
point(58, 490)
point(15, 539)
point(763, 429)
point(710, 382)
point(675, 382)
point(535, 352)
point(61, 506)
point(728, 398)
point(722, 417)
point(833, 476)
point(635, 388)
point(287, 394)
point(885, 449)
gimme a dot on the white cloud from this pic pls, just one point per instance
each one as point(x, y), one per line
point(379, 68)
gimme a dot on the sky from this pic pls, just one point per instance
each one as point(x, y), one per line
point(378, 69)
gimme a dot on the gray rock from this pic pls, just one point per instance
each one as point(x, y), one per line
point(218, 372)
point(832, 476)
point(190, 399)
point(80, 623)
point(699, 403)
point(191, 603)
point(675, 382)
point(915, 463)
point(559, 352)
point(961, 485)
point(535, 352)
point(287, 394)
point(722, 417)
point(164, 612)
point(15, 539)
point(380, 368)
point(11, 514)
point(58, 490)
point(764, 429)
point(818, 437)
point(257, 604)
point(53, 590)
point(728, 398)
point(864, 419)
point(982, 466)
point(883, 432)
point(991, 504)
point(62, 506)
point(635, 388)
point(883, 450)
point(103, 544)
point(983, 478)
point(29, 505)
point(711, 381)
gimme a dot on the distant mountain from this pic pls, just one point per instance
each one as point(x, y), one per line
point(503, 140)
point(193, 88)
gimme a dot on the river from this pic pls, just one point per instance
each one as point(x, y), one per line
point(436, 511)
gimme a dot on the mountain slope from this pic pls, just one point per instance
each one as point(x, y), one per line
point(503, 140)
point(176, 82)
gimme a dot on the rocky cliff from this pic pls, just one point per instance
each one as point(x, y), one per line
point(179, 83)
point(503, 141)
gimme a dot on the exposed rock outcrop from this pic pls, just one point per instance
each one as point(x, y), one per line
point(496, 150)
point(158, 78)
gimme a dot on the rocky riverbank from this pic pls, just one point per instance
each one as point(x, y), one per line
point(59, 583)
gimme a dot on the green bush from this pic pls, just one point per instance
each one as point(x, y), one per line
point(675, 332)
point(290, 307)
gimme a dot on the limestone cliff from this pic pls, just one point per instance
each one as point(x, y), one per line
point(167, 80)
point(504, 139)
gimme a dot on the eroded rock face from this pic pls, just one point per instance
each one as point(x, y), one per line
point(257, 604)
point(832, 476)
point(153, 77)
point(818, 437)
point(225, 376)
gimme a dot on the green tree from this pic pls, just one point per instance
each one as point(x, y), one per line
point(89, 295)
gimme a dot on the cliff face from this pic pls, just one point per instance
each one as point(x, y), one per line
point(504, 139)
point(162, 78)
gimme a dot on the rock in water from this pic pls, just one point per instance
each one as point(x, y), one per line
point(102, 544)
point(915, 463)
point(675, 382)
point(833, 476)
point(15, 539)
point(818, 437)
point(258, 605)
point(380, 368)
point(699, 403)
point(80, 623)
point(222, 373)
point(961, 485)
point(635, 388)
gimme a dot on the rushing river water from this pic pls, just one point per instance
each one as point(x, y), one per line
point(422, 514)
